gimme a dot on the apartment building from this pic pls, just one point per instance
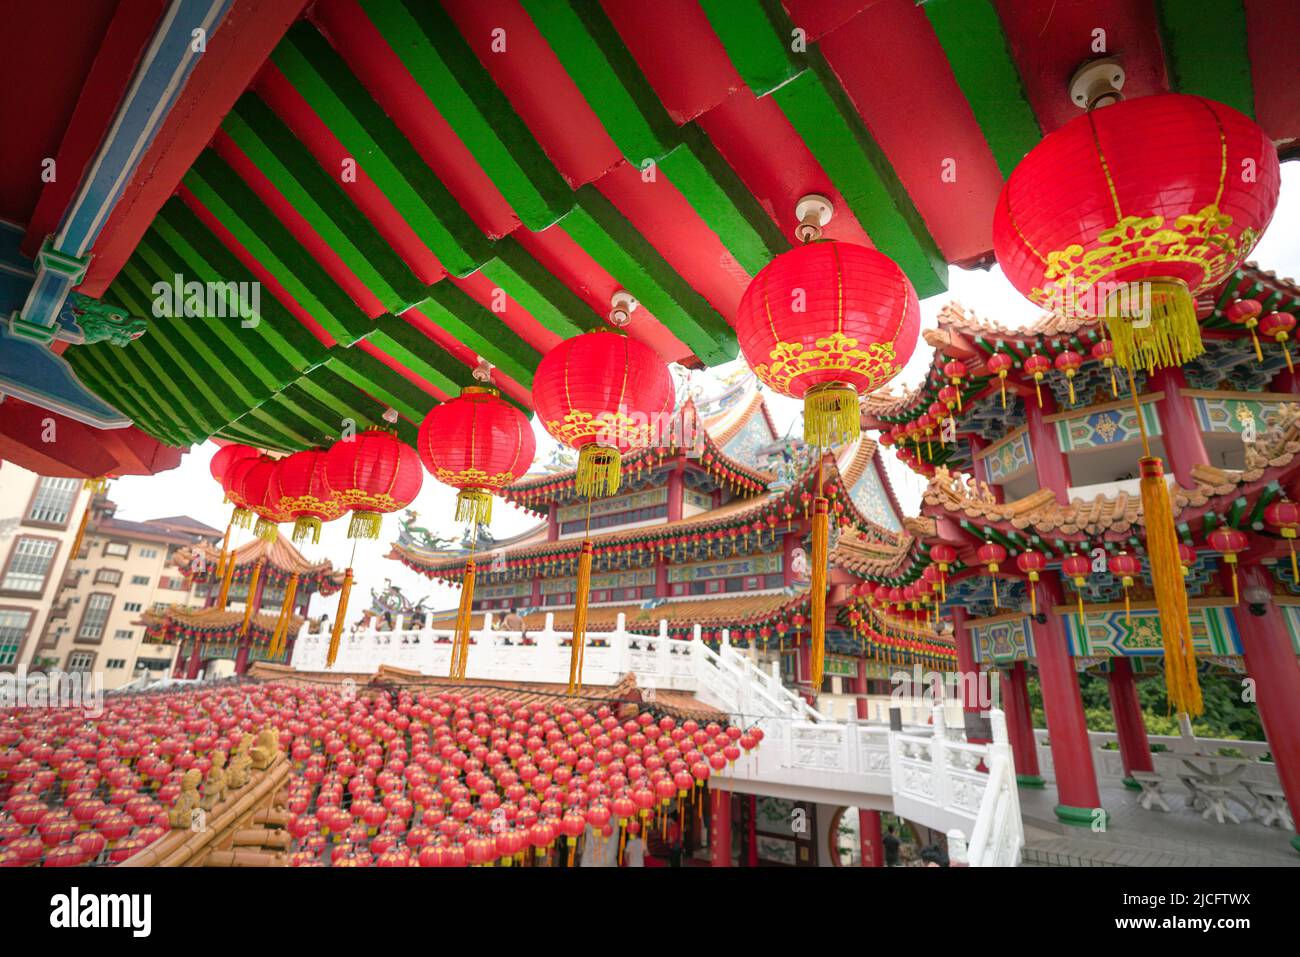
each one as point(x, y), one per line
point(125, 569)
point(39, 518)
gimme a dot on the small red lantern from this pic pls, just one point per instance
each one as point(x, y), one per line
point(992, 555)
point(1186, 557)
point(1229, 542)
point(1038, 366)
point(1126, 568)
point(1001, 364)
point(1278, 327)
point(372, 473)
point(1285, 517)
point(1069, 362)
point(301, 490)
point(956, 372)
point(945, 556)
point(1031, 563)
point(1078, 568)
point(1246, 312)
point(224, 459)
point(1104, 352)
point(232, 481)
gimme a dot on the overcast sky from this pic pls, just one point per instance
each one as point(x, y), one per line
point(190, 490)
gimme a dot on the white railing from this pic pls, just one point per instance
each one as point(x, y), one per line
point(931, 774)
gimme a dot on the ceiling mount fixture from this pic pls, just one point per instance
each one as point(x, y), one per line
point(1097, 83)
point(813, 211)
point(621, 306)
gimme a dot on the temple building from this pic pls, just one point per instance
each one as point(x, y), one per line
point(1041, 460)
point(216, 639)
point(712, 531)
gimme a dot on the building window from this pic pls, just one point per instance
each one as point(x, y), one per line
point(139, 579)
point(108, 576)
point(117, 549)
point(115, 663)
point(81, 660)
point(29, 564)
point(159, 606)
point(148, 553)
point(53, 501)
point(132, 606)
point(92, 621)
point(124, 634)
point(14, 623)
point(152, 664)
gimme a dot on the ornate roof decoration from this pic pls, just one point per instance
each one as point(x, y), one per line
point(282, 559)
point(177, 622)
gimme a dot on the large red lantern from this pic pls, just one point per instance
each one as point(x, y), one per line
point(827, 322)
point(255, 489)
point(225, 457)
point(301, 491)
point(232, 481)
point(1129, 211)
point(372, 473)
point(605, 395)
point(477, 443)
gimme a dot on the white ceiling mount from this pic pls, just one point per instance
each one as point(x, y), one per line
point(1097, 83)
point(483, 371)
point(390, 415)
point(621, 306)
point(813, 211)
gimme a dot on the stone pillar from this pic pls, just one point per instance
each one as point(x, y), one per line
point(1020, 725)
point(870, 839)
point(1076, 779)
point(1050, 464)
point(968, 671)
point(1271, 662)
point(1134, 750)
point(1183, 439)
point(719, 827)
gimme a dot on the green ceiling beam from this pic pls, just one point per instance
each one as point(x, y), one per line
point(547, 299)
point(430, 45)
point(606, 235)
point(1205, 48)
point(368, 374)
point(481, 330)
point(101, 371)
point(379, 147)
point(972, 39)
point(759, 39)
point(322, 201)
point(421, 354)
point(831, 128)
point(262, 233)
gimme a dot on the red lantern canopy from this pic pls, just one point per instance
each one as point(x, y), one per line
point(1144, 191)
point(1278, 327)
point(477, 443)
point(1031, 563)
point(1069, 362)
point(1126, 568)
point(372, 473)
point(301, 490)
point(1285, 517)
point(827, 322)
point(992, 555)
point(1246, 312)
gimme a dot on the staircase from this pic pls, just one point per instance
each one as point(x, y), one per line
point(927, 774)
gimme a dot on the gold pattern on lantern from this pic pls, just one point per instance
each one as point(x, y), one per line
point(835, 353)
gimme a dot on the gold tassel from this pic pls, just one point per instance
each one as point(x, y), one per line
point(339, 616)
point(225, 551)
point(266, 530)
point(365, 525)
point(1289, 535)
point(996, 603)
point(599, 471)
point(95, 486)
point(1038, 389)
point(248, 601)
point(286, 615)
point(580, 618)
point(226, 579)
point(1286, 351)
point(957, 386)
point(81, 532)
point(831, 416)
point(474, 505)
point(817, 588)
point(1069, 381)
point(464, 618)
point(1170, 336)
point(1114, 386)
point(1002, 386)
point(1033, 600)
point(1231, 559)
point(1259, 353)
point(306, 526)
point(242, 517)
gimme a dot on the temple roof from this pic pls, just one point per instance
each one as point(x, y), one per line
point(280, 555)
point(213, 623)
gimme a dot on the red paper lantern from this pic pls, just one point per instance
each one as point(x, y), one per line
point(1000, 364)
point(1278, 326)
point(1126, 568)
point(1031, 563)
point(1069, 362)
point(301, 491)
point(992, 555)
point(232, 481)
point(227, 456)
point(1146, 191)
point(826, 322)
point(1229, 542)
point(478, 444)
point(1038, 366)
point(255, 488)
point(372, 473)
point(1285, 517)
point(605, 395)
point(1246, 312)
point(1104, 352)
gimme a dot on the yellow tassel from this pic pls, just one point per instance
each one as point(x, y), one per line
point(1033, 600)
point(1128, 611)
point(81, 532)
point(225, 582)
point(305, 527)
point(1079, 593)
point(1286, 351)
point(464, 619)
point(1002, 386)
point(580, 618)
point(831, 416)
point(1232, 565)
point(1171, 592)
point(1069, 381)
point(1259, 353)
point(225, 551)
point(242, 517)
point(599, 471)
point(95, 486)
point(1038, 389)
point(817, 588)
point(266, 530)
point(996, 604)
point(365, 525)
point(1170, 335)
point(1295, 573)
point(286, 615)
point(474, 505)
point(1114, 386)
point(339, 617)
point(957, 386)
point(248, 601)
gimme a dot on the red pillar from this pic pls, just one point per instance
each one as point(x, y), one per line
point(870, 839)
point(803, 676)
point(1183, 439)
point(552, 524)
point(1020, 725)
point(1076, 780)
point(1050, 465)
point(980, 467)
point(968, 671)
point(751, 831)
point(719, 827)
point(1134, 750)
point(1271, 662)
point(196, 660)
point(241, 657)
point(675, 485)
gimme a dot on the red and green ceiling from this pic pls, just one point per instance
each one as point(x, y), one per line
point(417, 184)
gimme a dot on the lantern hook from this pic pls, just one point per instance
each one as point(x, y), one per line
point(621, 306)
point(813, 211)
point(1097, 83)
point(483, 371)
